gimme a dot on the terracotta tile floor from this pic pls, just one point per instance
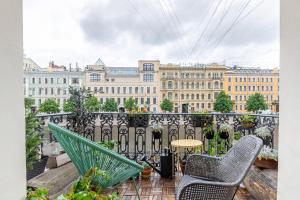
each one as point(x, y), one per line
point(157, 188)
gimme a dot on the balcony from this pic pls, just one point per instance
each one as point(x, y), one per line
point(135, 140)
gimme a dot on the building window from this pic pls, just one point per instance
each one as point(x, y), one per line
point(208, 105)
point(148, 78)
point(124, 90)
point(197, 96)
point(95, 77)
point(142, 90)
point(202, 96)
point(130, 90)
point(148, 66)
point(148, 90)
point(182, 96)
point(46, 91)
point(112, 90)
point(170, 85)
point(136, 90)
point(75, 80)
point(154, 90)
point(65, 81)
point(33, 80)
point(142, 100)
point(52, 91)
point(40, 91)
point(229, 79)
point(51, 80)
point(46, 81)
point(40, 80)
point(208, 96)
point(154, 100)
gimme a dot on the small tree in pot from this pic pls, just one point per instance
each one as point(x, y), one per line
point(247, 121)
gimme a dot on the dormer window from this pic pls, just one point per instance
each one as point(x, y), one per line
point(95, 77)
point(148, 67)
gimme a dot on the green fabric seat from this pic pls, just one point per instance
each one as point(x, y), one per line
point(86, 154)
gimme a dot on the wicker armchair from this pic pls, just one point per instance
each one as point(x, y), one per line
point(218, 178)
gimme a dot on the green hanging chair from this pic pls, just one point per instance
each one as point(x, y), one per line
point(86, 154)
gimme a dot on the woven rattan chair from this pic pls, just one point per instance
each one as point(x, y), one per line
point(86, 154)
point(218, 178)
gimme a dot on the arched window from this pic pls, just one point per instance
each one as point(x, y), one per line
point(94, 77)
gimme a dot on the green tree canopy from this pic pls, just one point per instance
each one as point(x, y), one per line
point(223, 103)
point(92, 104)
point(49, 106)
point(110, 105)
point(256, 102)
point(69, 105)
point(29, 102)
point(130, 104)
point(167, 105)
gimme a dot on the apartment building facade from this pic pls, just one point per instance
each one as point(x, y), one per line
point(240, 83)
point(121, 83)
point(192, 88)
point(41, 84)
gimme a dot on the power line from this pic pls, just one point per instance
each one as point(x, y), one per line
point(206, 27)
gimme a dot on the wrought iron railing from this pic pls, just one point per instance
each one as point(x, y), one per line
point(134, 134)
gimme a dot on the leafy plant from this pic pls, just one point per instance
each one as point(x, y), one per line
point(167, 105)
point(145, 165)
point(69, 105)
point(110, 144)
point(256, 102)
point(223, 103)
point(33, 138)
point(237, 135)
point(208, 129)
point(157, 127)
point(85, 189)
point(268, 154)
point(130, 104)
point(49, 106)
point(91, 103)
point(110, 105)
point(226, 127)
point(37, 194)
point(263, 132)
point(247, 119)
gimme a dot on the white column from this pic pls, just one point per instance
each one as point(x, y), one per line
point(289, 132)
point(12, 130)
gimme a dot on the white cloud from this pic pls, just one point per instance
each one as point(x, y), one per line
point(121, 32)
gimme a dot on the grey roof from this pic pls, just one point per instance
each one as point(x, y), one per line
point(99, 62)
point(122, 71)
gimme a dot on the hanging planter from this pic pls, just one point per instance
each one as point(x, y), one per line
point(224, 135)
point(156, 134)
point(209, 135)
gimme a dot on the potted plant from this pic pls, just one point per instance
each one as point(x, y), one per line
point(267, 158)
point(109, 144)
point(209, 131)
point(85, 188)
point(146, 173)
point(201, 119)
point(263, 132)
point(156, 130)
point(37, 194)
point(225, 131)
point(35, 162)
point(247, 121)
point(138, 118)
point(237, 135)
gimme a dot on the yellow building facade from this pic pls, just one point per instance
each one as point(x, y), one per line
point(240, 83)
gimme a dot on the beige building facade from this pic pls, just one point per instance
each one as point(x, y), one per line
point(121, 83)
point(191, 88)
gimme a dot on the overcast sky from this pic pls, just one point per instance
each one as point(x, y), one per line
point(120, 32)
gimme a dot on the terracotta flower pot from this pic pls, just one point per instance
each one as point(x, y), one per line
point(247, 125)
point(182, 167)
point(146, 173)
point(266, 163)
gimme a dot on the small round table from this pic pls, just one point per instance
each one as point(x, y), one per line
point(186, 143)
